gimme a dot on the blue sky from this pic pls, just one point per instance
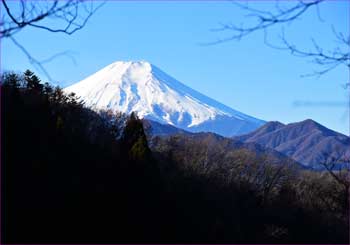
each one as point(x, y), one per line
point(247, 75)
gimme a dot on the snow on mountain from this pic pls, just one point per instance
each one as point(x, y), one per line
point(143, 88)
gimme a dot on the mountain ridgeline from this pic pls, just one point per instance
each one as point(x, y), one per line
point(143, 88)
point(74, 175)
point(307, 142)
point(168, 107)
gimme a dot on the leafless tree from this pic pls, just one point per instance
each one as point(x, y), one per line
point(261, 20)
point(65, 17)
point(286, 13)
point(327, 60)
point(341, 176)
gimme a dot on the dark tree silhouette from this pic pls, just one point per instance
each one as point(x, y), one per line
point(327, 60)
point(33, 82)
point(69, 176)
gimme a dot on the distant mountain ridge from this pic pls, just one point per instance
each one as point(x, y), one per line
point(163, 132)
point(307, 142)
point(153, 128)
point(143, 88)
point(173, 108)
point(221, 146)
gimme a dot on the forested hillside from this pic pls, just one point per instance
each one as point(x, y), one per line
point(70, 175)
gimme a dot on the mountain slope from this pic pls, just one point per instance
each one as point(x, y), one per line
point(219, 150)
point(307, 142)
point(145, 89)
point(160, 135)
point(153, 129)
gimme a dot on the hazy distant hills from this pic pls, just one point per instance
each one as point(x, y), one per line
point(153, 128)
point(162, 134)
point(307, 142)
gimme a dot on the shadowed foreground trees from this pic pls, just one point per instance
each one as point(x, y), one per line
point(73, 175)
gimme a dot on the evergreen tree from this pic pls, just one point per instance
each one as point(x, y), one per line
point(134, 141)
point(68, 178)
point(11, 80)
point(33, 82)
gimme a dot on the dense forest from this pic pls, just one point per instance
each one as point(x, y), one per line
point(73, 175)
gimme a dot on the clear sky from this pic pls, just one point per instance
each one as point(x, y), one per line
point(247, 75)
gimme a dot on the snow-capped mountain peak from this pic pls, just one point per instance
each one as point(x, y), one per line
point(145, 89)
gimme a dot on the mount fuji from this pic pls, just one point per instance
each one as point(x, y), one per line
point(143, 88)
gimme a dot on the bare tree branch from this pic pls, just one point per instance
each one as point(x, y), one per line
point(39, 64)
point(278, 16)
point(65, 17)
point(31, 59)
point(264, 20)
point(72, 15)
